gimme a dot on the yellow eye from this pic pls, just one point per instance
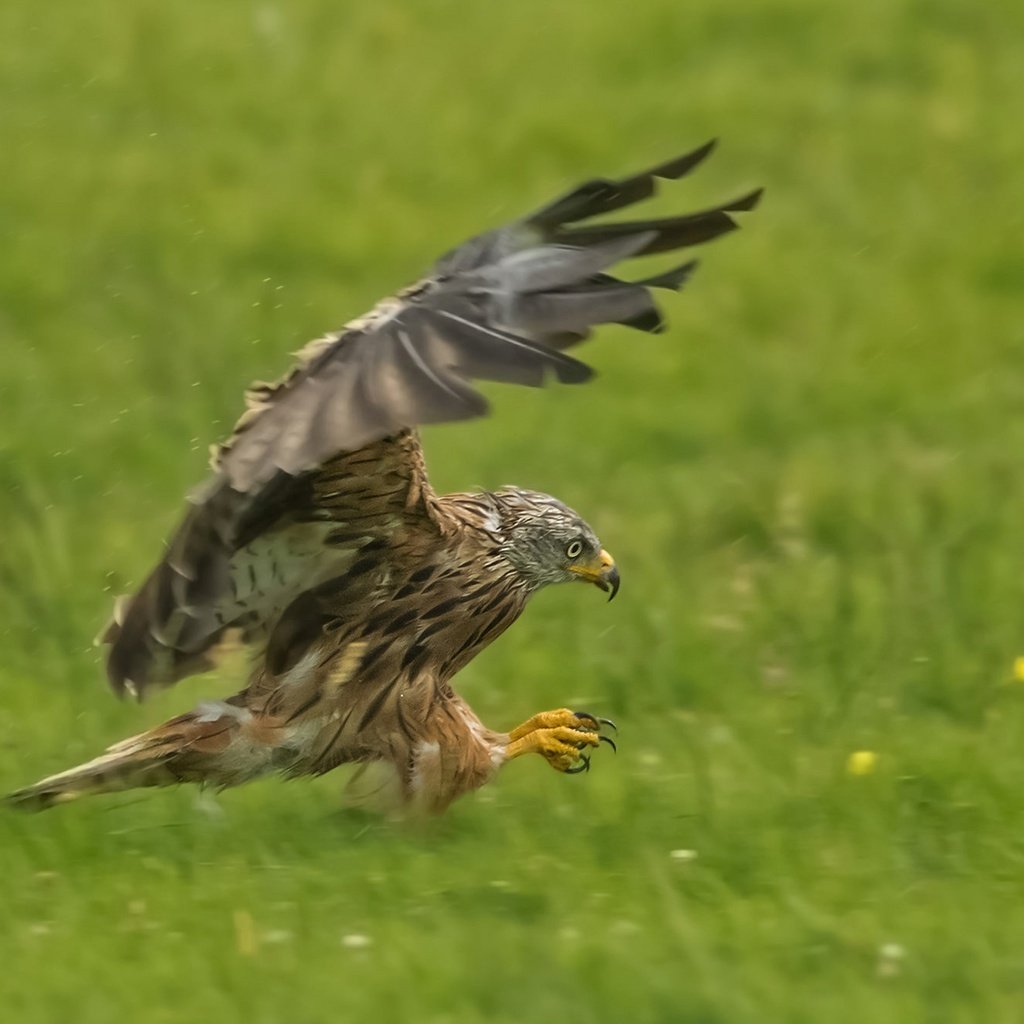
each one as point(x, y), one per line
point(575, 549)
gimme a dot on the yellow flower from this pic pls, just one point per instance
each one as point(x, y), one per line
point(862, 762)
point(245, 933)
point(1018, 669)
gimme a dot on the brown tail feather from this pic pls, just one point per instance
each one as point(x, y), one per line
point(188, 748)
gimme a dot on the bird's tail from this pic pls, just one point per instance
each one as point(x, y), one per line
point(193, 747)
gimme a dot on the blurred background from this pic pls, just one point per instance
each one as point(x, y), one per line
point(811, 483)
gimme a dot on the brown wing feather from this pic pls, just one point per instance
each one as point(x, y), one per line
point(238, 559)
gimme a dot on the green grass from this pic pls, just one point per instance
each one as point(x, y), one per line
point(812, 485)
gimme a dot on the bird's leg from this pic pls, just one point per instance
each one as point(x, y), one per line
point(560, 737)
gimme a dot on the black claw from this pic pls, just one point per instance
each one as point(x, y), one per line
point(583, 766)
point(610, 742)
point(597, 721)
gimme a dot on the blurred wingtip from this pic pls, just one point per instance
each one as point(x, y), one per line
point(679, 166)
point(673, 279)
point(747, 202)
point(572, 371)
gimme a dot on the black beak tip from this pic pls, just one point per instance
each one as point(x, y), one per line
point(613, 584)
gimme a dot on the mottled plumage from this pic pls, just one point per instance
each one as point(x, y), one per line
point(318, 541)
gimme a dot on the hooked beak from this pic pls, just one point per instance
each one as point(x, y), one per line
point(602, 573)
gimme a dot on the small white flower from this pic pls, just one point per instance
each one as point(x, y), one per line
point(890, 959)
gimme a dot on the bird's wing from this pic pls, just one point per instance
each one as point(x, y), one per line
point(501, 307)
point(239, 558)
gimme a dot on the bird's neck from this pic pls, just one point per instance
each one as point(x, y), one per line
point(477, 511)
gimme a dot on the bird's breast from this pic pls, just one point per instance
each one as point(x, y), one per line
point(438, 621)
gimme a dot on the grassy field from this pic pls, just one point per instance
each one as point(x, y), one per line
point(812, 485)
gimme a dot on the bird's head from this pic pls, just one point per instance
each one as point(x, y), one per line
point(548, 542)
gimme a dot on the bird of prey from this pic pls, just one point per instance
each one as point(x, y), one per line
point(318, 541)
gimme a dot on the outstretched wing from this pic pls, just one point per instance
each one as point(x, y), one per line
point(325, 462)
point(500, 307)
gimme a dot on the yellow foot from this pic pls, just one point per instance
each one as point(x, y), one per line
point(560, 737)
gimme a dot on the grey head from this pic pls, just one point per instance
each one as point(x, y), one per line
point(548, 542)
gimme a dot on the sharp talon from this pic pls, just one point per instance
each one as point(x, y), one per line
point(596, 720)
point(583, 766)
point(610, 742)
